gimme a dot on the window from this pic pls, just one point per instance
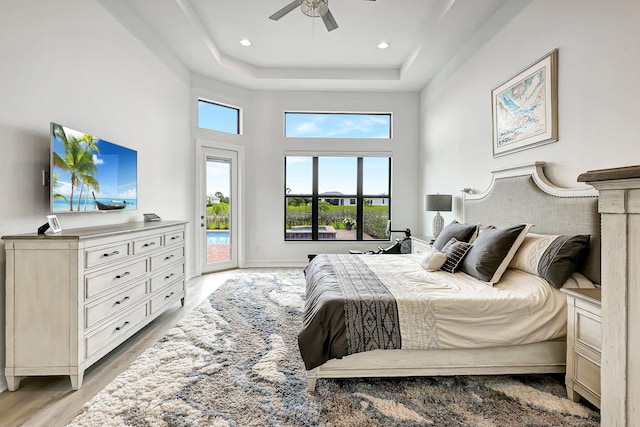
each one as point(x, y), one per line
point(329, 198)
point(218, 117)
point(337, 125)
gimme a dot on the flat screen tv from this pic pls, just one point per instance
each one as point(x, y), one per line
point(89, 174)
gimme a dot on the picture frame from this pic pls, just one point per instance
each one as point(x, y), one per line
point(54, 224)
point(525, 107)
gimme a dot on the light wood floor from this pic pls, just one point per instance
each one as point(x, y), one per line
point(49, 401)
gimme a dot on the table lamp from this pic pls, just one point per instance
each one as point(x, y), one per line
point(438, 203)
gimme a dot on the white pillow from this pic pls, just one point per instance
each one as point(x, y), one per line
point(432, 260)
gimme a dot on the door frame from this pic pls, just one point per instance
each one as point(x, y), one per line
point(203, 145)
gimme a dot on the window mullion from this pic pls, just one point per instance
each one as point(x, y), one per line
point(315, 200)
point(360, 200)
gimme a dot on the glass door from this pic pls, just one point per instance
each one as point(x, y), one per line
point(218, 213)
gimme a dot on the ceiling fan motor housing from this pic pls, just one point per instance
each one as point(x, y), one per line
point(314, 8)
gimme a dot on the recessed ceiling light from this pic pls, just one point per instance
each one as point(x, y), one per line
point(245, 42)
point(383, 45)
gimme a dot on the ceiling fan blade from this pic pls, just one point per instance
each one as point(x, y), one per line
point(329, 22)
point(288, 8)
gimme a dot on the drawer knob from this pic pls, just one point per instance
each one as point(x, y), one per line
point(148, 244)
point(169, 276)
point(125, 274)
point(175, 237)
point(112, 253)
point(168, 257)
point(123, 325)
point(169, 296)
point(123, 300)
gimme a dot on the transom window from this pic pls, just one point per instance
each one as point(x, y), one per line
point(222, 118)
point(337, 125)
point(329, 198)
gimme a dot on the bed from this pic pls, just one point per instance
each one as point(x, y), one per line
point(422, 323)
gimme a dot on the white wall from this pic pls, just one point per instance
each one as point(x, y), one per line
point(70, 62)
point(263, 138)
point(599, 66)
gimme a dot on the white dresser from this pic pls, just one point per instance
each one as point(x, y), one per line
point(73, 297)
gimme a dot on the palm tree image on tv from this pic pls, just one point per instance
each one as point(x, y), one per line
point(90, 174)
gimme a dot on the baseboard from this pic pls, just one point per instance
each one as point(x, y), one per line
point(3, 382)
point(275, 264)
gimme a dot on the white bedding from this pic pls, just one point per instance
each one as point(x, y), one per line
point(466, 313)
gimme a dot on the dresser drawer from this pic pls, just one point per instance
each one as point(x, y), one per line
point(587, 374)
point(166, 258)
point(167, 276)
point(97, 283)
point(106, 254)
point(588, 330)
point(146, 244)
point(173, 238)
point(114, 331)
point(167, 296)
point(109, 307)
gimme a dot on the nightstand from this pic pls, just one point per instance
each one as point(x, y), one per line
point(420, 244)
point(584, 344)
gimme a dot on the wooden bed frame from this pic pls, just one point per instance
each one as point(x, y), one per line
point(524, 194)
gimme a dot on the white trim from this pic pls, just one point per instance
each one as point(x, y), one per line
point(536, 170)
point(334, 153)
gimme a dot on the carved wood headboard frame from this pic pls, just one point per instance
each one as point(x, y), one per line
point(522, 194)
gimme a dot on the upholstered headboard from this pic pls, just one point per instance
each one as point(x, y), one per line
point(523, 194)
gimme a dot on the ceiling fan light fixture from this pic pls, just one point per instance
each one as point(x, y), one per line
point(314, 8)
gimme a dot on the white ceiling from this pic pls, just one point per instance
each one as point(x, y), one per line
point(297, 52)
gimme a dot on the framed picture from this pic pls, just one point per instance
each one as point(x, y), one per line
point(54, 223)
point(525, 107)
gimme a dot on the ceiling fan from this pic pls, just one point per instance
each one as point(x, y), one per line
point(313, 8)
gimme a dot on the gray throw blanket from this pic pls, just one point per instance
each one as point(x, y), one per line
point(348, 310)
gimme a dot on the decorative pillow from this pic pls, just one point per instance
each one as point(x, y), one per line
point(432, 260)
point(552, 257)
point(455, 251)
point(577, 280)
point(492, 251)
point(461, 232)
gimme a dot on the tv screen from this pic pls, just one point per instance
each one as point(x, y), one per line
point(89, 174)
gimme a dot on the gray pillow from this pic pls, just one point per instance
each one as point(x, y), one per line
point(552, 257)
point(461, 232)
point(490, 249)
point(455, 251)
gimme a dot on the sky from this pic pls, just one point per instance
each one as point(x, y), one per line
point(218, 178)
point(337, 125)
point(337, 174)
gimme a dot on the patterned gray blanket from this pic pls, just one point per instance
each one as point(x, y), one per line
point(348, 310)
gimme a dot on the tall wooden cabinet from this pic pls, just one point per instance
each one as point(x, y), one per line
point(619, 207)
point(73, 297)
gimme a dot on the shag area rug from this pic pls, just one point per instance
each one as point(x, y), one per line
point(234, 361)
